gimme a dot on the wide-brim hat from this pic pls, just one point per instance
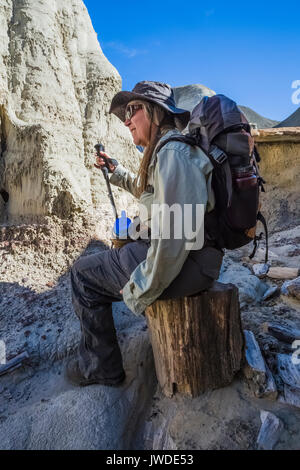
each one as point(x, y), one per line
point(155, 92)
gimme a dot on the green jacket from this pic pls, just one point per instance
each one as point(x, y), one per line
point(179, 173)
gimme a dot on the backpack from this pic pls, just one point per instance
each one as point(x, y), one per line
point(222, 131)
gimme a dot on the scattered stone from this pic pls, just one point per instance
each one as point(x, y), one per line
point(291, 396)
point(270, 430)
point(283, 273)
point(284, 290)
point(289, 370)
point(251, 288)
point(256, 371)
point(294, 252)
point(271, 292)
point(271, 388)
point(289, 373)
point(283, 333)
point(291, 288)
point(260, 269)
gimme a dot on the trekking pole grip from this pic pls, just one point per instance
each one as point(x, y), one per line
point(100, 148)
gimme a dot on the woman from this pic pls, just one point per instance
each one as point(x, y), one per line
point(159, 267)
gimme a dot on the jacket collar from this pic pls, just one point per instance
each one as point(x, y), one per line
point(166, 133)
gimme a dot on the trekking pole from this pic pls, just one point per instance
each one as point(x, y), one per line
point(100, 148)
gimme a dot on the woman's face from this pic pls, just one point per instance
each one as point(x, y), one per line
point(139, 126)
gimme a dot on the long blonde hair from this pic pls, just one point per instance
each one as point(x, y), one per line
point(159, 120)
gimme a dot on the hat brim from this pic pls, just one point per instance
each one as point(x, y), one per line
point(121, 99)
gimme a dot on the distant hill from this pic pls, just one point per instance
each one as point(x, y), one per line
point(292, 121)
point(188, 96)
point(260, 121)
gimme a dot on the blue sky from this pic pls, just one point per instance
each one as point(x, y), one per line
point(247, 50)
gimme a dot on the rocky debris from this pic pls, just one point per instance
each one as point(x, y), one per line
point(282, 253)
point(283, 333)
point(271, 292)
point(283, 273)
point(260, 270)
point(251, 289)
point(289, 372)
point(270, 430)
point(289, 369)
point(256, 371)
point(291, 288)
point(291, 396)
point(158, 439)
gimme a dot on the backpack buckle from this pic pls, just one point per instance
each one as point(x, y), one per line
point(218, 155)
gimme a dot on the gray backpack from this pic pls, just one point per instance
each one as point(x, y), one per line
point(222, 131)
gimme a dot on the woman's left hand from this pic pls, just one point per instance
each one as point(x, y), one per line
point(121, 291)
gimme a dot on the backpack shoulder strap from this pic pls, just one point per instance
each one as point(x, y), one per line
point(186, 139)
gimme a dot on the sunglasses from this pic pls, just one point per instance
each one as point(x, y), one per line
point(131, 110)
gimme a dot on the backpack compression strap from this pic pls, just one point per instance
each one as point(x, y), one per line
point(257, 238)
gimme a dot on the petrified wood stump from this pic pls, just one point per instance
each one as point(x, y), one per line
point(197, 341)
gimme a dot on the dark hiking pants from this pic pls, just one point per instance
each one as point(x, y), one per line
point(96, 282)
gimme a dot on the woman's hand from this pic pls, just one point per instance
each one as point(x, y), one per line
point(121, 291)
point(101, 162)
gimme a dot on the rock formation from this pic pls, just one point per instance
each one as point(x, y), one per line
point(55, 89)
point(187, 97)
point(280, 167)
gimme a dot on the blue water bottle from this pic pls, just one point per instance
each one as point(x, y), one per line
point(120, 230)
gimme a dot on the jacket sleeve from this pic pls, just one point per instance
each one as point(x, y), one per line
point(124, 179)
point(177, 180)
